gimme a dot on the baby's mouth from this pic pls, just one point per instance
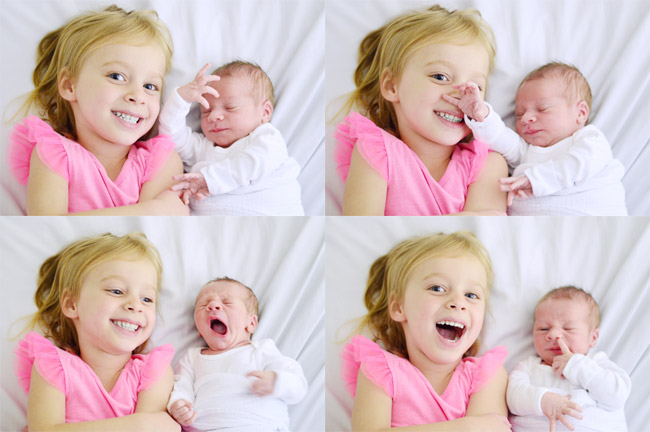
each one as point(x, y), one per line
point(450, 330)
point(218, 326)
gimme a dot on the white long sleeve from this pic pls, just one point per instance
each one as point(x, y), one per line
point(607, 384)
point(183, 380)
point(290, 382)
point(524, 397)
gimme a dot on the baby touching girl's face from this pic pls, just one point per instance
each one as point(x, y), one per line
point(431, 71)
point(115, 309)
point(116, 97)
point(443, 308)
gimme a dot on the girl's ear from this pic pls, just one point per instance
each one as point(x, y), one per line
point(69, 305)
point(396, 310)
point(252, 324)
point(268, 111)
point(388, 87)
point(66, 86)
point(583, 112)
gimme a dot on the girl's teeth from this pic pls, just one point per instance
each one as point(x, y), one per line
point(126, 325)
point(451, 323)
point(450, 117)
point(127, 118)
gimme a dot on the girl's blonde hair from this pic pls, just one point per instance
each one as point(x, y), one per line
point(66, 271)
point(390, 46)
point(390, 273)
point(67, 48)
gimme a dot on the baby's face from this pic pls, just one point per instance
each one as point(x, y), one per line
point(221, 316)
point(235, 113)
point(567, 319)
point(544, 114)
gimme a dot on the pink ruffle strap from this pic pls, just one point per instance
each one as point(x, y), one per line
point(369, 139)
point(153, 365)
point(486, 366)
point(152, 155)
point(362, 353)
point(25, 137)
point(32, 350)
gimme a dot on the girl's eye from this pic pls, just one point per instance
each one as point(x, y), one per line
point(472, 296)
point(151, 87)
point(437, 288)
point(440, 77)
point(115, 291)
point(116, 76)
point(147, 299)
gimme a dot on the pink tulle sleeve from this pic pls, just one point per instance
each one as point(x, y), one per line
point(363, 353)
point(36, 350)
point(483, 368)
point(33, 133)
point(153, 154)
point(153, 365)
point(357, 130)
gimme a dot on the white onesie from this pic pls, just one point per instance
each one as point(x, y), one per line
point(254, 176)
point(575, 176)
point(219, 389)
point(594, 382)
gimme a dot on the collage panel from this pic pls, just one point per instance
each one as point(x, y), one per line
point(281, 259)
point(409, 127)
point(276, 166)
point(606, 257)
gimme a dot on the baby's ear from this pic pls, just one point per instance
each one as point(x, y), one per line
point(388, 87)
point(583, 113)
point(66, 86)
point(594, 337)
point(252, 324)
point(268, 111)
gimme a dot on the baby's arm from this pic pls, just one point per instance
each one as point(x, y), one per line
point(47, 193)
point(372, 410)
point(46, 412)
point(180, 405)
point(173, 115)
point(280, 376)
point(365, 189)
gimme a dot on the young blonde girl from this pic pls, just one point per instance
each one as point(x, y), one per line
point(96, 303)
point(410, 154)
point(98, 83)
point(426, 300)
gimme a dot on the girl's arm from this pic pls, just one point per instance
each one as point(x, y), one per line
point(365, 189)
point(484, 196)
point(46, 412)
point(47, 193)
point(372, 410)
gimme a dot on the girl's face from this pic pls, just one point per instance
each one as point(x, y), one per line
point(431, 71)
point(443, 308)
point(115, 309)
point(116, 97)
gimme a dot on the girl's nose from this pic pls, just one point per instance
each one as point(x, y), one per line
point(135, 95)
point(133, 305)
point(456, 303)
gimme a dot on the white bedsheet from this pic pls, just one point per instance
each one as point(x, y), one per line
point(606, 256)
point(606, 39)
point(285, 37)
point(281, 259)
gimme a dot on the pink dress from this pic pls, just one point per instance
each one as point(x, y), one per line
point(89, 187)
point(414, 400)
point(411, 189)
point(86, 398)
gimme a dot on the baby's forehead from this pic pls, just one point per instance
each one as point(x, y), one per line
point(221, 289)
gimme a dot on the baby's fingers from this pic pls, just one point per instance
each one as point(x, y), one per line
point(202, 71)
point(565, 421)
point(451, 100)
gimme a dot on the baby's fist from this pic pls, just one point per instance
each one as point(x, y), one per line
point(183, 412)
point(265, 383)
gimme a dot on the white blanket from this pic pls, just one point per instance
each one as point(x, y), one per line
point(281, 259)
point(285, 37)
point(606, 256)
point(606, 39)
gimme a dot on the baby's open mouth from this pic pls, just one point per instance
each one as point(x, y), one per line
point(452, 331)
point(218, 327)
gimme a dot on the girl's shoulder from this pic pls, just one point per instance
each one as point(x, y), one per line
point(470, 158)
point(145, 369)
point(34, 133)
point(371, 141)
point(37, 351)
point(148, 156)
point(476, 371)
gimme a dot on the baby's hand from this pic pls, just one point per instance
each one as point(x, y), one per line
point(191, 184)
point(560, 361)
point(470, 101)
point(194, 91)
point(183, 412)
point(265, 384)
point(557, 407)
point(516, 186)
